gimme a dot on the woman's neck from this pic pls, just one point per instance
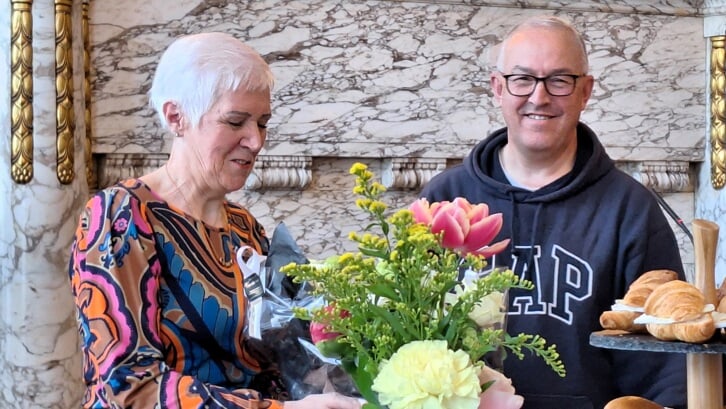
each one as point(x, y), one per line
point(187, 196)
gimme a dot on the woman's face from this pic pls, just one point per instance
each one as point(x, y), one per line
point(229, 137)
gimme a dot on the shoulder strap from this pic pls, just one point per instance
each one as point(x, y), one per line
point(202, 336)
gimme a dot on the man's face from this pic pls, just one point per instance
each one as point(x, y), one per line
point(541, 122)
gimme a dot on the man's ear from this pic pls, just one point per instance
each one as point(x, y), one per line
point(497, 83)
point(174, 117)
point(587, 86)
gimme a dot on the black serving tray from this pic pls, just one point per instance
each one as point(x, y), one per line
point(610, 339)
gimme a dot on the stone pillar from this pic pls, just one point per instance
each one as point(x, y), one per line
point(42, 189)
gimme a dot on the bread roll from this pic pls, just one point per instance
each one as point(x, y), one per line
point(632, 402)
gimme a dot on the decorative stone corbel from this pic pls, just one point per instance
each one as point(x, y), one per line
point(280, 172)
point(664, 177)
point(410, 173)
point(114, 167)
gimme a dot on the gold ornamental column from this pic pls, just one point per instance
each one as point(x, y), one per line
point(41, 197)
point(65, 120)
point(21, 91)
point(718, 112)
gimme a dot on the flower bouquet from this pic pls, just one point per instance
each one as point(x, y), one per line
point(400, 318)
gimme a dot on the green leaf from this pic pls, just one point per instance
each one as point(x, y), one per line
point(331, 348)
point(384, 290)
point(363, 379)
point(373, 252)
point(452, 332)
point(406, 334)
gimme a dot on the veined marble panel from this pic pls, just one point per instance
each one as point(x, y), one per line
point(409, 79)
point(684, 7)
point(714, 7)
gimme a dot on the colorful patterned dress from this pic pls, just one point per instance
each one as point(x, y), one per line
point(160, 304)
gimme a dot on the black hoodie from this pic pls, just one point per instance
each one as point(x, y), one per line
point(581, 240)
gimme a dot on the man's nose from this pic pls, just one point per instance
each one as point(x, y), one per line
point(540, 93)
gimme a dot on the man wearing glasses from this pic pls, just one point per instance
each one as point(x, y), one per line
point(580, 229)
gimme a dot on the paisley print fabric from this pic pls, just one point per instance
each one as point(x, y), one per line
point(160, 305)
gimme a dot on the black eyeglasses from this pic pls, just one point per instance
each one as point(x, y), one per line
point(558, 85)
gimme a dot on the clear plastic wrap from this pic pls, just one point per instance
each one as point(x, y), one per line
point(279, 341)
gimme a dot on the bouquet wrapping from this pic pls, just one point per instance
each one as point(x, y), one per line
point(280, 342)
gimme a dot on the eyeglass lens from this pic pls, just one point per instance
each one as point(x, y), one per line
point(555, 85)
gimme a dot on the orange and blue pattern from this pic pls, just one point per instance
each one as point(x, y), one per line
point(160, 304)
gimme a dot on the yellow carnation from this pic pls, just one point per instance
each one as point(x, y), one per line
point(426, 374)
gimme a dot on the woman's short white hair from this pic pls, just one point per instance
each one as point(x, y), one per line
point(195, 70)
point(550, 22)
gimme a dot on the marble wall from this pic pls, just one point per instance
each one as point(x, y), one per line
point(401, 85)
point(404, 86)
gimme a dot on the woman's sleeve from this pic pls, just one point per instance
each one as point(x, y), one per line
point(114, 273)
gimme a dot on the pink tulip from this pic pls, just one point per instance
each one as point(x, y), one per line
point(500, 394)
point(465, 228)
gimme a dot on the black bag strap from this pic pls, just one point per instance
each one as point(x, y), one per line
point(202, 336)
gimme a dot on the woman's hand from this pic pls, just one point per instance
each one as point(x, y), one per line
point(324, 401)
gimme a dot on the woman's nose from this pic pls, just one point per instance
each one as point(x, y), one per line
point(254, 138)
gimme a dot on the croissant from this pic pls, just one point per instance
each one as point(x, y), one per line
point(632, 402)
point(684, 304)
point(677, 300)
point(622, 320)
point(721, 305)
point(637, 293)
point(641, 288)
point(699, 330)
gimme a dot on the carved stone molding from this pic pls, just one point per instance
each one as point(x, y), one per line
point(664, 177)
point(410, 173)
point(295, 172)
point(280, 172)
point(270, 172)
point(115, 167)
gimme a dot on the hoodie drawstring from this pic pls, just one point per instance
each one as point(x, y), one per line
point(513, 222)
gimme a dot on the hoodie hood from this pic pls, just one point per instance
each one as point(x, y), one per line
point(592, 160)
